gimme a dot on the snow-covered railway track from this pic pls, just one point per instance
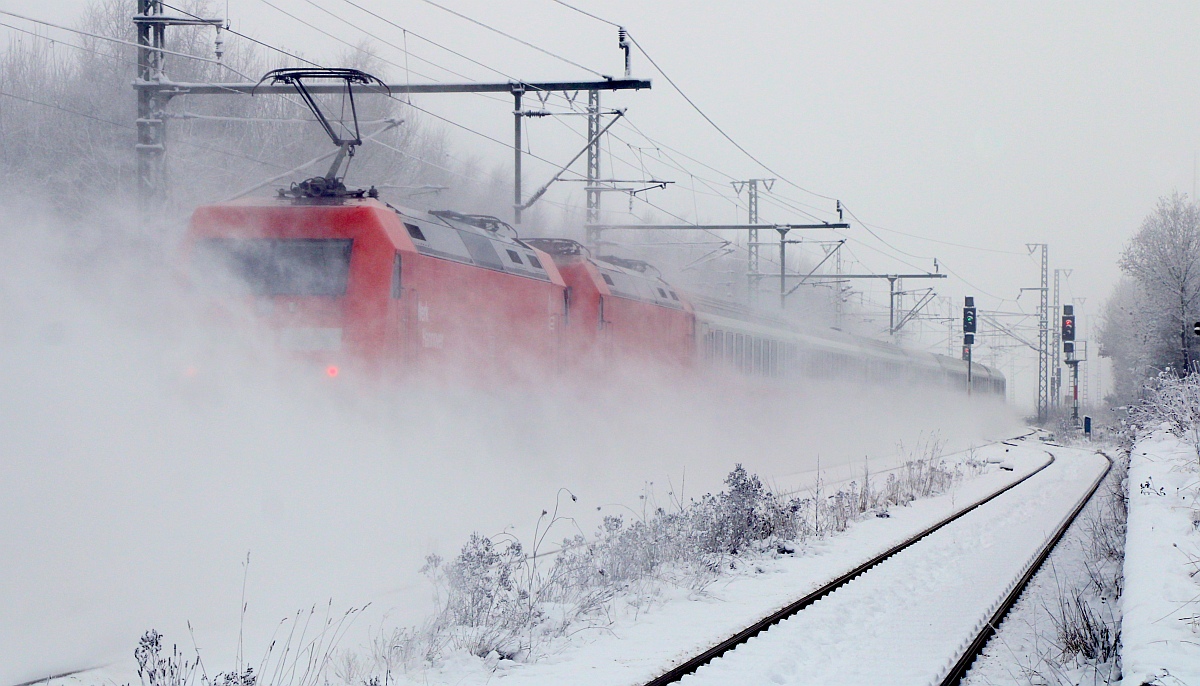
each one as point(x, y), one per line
point(920, 611)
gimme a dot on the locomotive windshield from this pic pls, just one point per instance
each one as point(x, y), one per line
point(277, 266)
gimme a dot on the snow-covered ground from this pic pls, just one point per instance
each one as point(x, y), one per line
point(1161, 603)
point(666, 624)
point(1085, 566)
point(907, 620)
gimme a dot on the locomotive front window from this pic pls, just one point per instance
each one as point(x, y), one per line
point(285, 266)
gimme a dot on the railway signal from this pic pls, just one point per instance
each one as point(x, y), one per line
point(1068, 323)
point(1196, 328)
point(969, 327)
point(969, 312)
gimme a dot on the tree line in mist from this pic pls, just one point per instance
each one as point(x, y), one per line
point(1148, 320)
point(69, 113)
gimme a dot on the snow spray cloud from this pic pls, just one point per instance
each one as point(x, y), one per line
point(131, 493)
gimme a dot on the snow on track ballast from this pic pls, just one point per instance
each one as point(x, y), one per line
point(920, 611)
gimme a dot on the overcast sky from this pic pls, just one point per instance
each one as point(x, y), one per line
point(988, 125)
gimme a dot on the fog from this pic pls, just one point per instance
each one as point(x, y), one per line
point(132, 490)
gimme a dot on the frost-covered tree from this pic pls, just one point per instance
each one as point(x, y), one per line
point(1149, 316)
point(1135, 337)
point(68, 119)
point(1164, 258)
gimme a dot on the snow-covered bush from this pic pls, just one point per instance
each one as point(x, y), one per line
point(483, 606)
point(1171, 399)
point(1168, 401)
point(502, 600)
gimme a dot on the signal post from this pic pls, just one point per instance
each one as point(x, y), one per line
point(970, 325)
point(1073, 356)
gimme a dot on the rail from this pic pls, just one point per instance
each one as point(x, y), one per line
point(689, 666)
point(989, 628)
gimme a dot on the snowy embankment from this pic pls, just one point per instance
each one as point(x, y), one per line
point(1161, 603)
point(909, 619)
point(654, 628)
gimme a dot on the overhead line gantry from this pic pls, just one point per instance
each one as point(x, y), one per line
point(155, 91)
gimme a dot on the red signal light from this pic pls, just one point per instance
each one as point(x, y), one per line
point(331, 371)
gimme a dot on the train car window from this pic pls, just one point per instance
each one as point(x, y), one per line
point(674, 297)
point(662, 293)
point(512, 255)
point(482, 250)
point(607, 279)
point(276, 266)
point(415, 231)
point(396, 282)
point(534, 261)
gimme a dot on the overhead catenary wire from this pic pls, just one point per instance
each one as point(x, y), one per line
point(729, 138)
point(404, 51)
point(133, 128)
point(124, 42)
point(452, 51)
point(515, 38)
point(249, 38)
point(414, 106)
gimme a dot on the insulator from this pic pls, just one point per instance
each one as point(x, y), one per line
point(622, 38)
point(219, 45)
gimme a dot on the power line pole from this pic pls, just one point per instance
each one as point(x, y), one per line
point(839, 292)
point(151, 146)
point(593, 157)
point(518, 92)
point(1056, 346)
point(752, 255)
point(952, 342)
point(1043, 397)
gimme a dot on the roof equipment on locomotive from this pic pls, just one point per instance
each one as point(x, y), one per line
point(330, 185)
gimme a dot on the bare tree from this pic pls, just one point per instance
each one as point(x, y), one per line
point(1135, 335)
point(68, 130)
point(1164, 259)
